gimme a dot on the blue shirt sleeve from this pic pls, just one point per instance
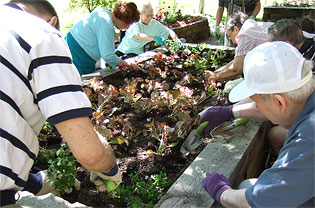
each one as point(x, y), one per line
point(290, 181)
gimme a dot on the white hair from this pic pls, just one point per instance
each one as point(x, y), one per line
point(145, 7)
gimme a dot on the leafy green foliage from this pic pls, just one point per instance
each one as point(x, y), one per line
point(91, 5)
point(174, 19)
point(47, 128)
point(62, 169)
point(285, 3)
point(44, 155)
point(142, 192)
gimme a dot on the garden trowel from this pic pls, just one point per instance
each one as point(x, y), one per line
point(224, 130)
point(194, 139)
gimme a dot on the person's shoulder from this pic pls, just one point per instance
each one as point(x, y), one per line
point(155, 22)
point(98, 12)
point(250, 23)
point(99, 19)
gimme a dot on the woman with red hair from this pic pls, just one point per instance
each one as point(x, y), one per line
point(93, 37)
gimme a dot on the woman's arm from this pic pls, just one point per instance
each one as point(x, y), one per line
point(230, 71)
point(173, 34)
point(143, 37)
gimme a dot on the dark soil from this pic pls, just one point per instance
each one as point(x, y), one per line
point(132, 155)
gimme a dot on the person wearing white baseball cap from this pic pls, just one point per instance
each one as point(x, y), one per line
point(280, 81)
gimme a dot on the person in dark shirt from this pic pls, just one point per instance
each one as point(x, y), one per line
point(249, 7)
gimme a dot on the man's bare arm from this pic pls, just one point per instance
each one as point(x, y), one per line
point(256, 9)
point(88, 147)
point(219, 15)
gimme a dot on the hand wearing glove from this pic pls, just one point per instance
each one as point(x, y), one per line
point(159, 39)
point(252, 17)
point(216, 32)
point(215, 184)
point(98, 178)
point(179, 43)
point(38, 184)
point(216, 115)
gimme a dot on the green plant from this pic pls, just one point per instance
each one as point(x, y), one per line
point(45, 131)
point(47, 128)
point(163, 133)
point(91, 5)
point(173, 46)
point(62, 169)
point(44, 155)
point(143, 191)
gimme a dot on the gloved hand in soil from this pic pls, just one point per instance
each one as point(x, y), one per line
point(159, 40)
point(215, 184)
point(216, 115)
point(216, 32)
point(104, 181)
point(179, 43)
point(38, 184)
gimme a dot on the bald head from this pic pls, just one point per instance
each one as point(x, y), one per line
point(40, 8)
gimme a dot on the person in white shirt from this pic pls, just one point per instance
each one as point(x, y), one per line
point(143, 32)
point(39, 83)
point(247, 34)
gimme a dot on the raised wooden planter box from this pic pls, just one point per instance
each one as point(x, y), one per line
point(240, 156)
point(276, 13)
point(194, 32)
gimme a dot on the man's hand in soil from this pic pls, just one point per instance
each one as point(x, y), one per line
point(99, 178)
point(215, 184)
point(216, 115)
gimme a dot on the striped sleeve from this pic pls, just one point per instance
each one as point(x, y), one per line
point(56, 82)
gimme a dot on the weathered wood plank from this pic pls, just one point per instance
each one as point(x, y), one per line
point(222, 154)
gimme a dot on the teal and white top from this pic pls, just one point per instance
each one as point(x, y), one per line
point(130, 45)
point(96, 35)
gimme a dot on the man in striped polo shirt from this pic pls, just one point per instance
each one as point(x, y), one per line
point(38, 82)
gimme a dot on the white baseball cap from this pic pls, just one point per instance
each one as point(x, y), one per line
point(272, 67)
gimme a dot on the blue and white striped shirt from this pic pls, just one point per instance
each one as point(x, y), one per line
point(38, 82)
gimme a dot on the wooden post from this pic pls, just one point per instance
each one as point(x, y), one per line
point(201, 6)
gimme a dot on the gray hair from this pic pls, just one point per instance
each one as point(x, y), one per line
point(301, 94)
point(237, 19)
point(145, 7)
point(286, 30)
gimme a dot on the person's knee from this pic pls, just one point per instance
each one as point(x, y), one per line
point(247, 183)
point(276, 136)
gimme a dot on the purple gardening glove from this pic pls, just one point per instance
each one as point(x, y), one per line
point(216, 115)
point(215, 184)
